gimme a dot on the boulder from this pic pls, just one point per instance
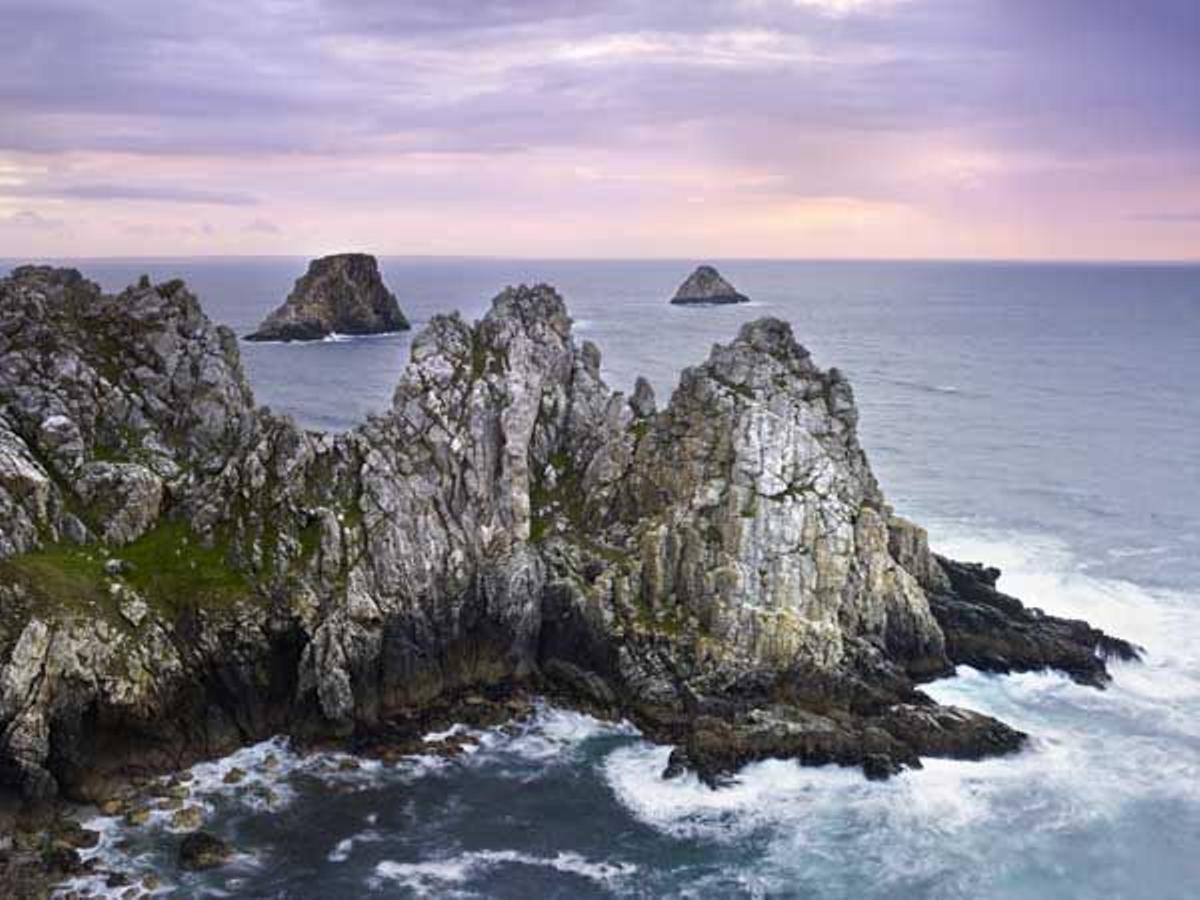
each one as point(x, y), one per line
point(200, 851)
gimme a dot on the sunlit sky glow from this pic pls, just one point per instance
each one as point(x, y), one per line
point(1037, 129)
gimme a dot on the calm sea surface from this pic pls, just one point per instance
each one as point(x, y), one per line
point(1043, 418)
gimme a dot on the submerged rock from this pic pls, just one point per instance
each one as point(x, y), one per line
point(706, 285)
point(343, 293)
point(725, 571)
point(200, 851)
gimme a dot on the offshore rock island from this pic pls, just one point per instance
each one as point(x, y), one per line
point(706, 286)
point(183, 572)
point(339, 294)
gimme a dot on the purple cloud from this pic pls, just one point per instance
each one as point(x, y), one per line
point(948, 108)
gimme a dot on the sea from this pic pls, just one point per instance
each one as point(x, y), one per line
point(1043, 418)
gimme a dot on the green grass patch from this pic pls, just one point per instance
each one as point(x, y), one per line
point(169, 567)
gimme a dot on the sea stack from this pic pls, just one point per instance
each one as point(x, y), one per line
point(343, 293)
point(706, 285)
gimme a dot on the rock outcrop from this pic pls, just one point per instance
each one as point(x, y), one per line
point(182, 571)
point(706, 285)
point(342, 294)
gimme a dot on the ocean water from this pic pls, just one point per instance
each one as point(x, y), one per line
point(1042, 418)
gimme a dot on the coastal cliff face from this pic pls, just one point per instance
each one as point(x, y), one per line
point(182, 571)
point(343, 293)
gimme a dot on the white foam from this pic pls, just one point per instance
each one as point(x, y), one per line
point(345, 847)
point(552, 734)
point(430, 878)
point(961, 828)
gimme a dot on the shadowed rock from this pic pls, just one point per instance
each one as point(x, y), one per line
point(200, 851)
point(341, 294)
point(706, 285)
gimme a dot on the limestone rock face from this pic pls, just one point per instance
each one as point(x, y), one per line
point(706, 285)
point(343, 293)
point(769, 528)
point(182, 572)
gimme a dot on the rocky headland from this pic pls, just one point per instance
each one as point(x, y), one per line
point(183, 572)
point(705, 285)
point(342, 294)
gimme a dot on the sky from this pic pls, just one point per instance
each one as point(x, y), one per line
point(1031, 129)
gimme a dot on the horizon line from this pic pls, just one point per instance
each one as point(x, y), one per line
point(1012, 260)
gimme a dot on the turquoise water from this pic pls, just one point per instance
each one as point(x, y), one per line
point(1043, 418)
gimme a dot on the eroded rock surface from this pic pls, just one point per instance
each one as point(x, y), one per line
point(182, 571)
point(343, 293)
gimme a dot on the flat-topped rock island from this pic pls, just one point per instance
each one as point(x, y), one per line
point(339, 294)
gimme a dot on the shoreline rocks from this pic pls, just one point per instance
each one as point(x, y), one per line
point(706, 286)
point(724, 570)
point(342, 294)
point(200, 851)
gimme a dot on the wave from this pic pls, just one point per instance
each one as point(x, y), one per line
point(924, 387)
point(1078, 813)
point(434, 877)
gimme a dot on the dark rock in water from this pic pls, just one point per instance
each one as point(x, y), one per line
point(343, 294)
point(72, 835)
point(200, 850)
point(993, 632)
point(510, 524)
point(63, 861)
point(706, 285)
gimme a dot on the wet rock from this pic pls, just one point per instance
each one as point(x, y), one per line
point(75, 836)
point(234, 776)
point(880, 766)
point(137, 816)
point(64, 862)
point(200, 851)
point(188, 819)
point(343, 294)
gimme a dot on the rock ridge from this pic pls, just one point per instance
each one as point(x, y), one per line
point(182, 571)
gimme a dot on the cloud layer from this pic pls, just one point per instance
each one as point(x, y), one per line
point(567, 127)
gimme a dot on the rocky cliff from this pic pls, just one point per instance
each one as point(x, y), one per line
point(182, 571)
point(705, 285)
point(343, 293)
